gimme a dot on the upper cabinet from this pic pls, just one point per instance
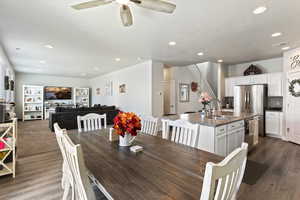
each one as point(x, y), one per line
point(275, 81)
point(229, 85)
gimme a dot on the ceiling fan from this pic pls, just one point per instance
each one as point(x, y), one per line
point(126, 16)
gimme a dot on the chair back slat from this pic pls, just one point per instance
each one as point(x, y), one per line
point(91, 122)
point(75, 161)
point(149, 125)
point(183, 132)
point(222, 181)
point(165, 129)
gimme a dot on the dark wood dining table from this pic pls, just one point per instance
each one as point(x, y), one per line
point(162, 171)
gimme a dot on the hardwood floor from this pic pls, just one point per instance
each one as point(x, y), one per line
point(39, 164)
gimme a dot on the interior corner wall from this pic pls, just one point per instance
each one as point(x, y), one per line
point(138, 89)
point(222, 73)
point(43, 80)
point(157, 89)
point(6, 69)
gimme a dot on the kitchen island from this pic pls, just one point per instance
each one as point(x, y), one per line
point(219, 134)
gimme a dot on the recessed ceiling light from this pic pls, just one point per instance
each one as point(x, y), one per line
point(118, 59)
point(83, 74)
point(172, 43)
point(276, 34)
point(259, 10)
point(220, 61)
point(43, 62)
point(200, 54)
point(139, 58)
point(96, 68)
point(48, 46)
point(285, 48)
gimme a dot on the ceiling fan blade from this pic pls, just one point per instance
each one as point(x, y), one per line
point(91, 4)
point(126, 15)
point(157, 5)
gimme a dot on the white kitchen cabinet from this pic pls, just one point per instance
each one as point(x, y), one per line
point(221, 140)
point(221, 145)
point(243, 80)
point(259, 79)
point(229, 87)
point(231, 141)
point(275, 81)
point(274, 124)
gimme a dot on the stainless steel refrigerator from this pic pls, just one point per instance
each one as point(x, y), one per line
point(251, 99)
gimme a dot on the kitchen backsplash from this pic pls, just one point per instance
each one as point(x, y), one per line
point(229, 101)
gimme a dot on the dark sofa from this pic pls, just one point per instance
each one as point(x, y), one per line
point(67, 117)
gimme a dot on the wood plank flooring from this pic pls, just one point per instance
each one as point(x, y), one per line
point(39, 168)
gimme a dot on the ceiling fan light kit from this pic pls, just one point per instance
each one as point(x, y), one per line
point(126, 15)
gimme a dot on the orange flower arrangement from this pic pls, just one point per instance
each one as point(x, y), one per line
point(127, 122)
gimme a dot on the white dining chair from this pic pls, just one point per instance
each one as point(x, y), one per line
point(67, 179)
point(75, 161)
point(91, 122)
point(183, 132)
point(149, 125)
point(165, 128)
point(222, 181)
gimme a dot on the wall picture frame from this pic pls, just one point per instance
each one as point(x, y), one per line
point(184, 92)
point(122, 88)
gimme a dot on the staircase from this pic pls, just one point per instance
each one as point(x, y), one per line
point(203, 85)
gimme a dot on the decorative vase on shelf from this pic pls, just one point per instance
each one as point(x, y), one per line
point(126, 126)
point(126, 140)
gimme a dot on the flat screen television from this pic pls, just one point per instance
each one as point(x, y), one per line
point(58, 93)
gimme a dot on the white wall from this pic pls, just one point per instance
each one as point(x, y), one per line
point(43, 80)
point(138, 96)
point(5, 69)
point(184, 75)
point(157, 89)
point(291, 103)
point(267, 66)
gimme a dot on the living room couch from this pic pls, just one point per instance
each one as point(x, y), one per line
point(67, 117)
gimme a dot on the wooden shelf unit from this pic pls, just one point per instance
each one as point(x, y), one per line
point(82, 97)
point(8, 130)
point(33, 102)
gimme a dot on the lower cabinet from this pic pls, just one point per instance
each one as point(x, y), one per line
point(235, 139)
point(222, 140)
point(274, 124)
point(221, 145)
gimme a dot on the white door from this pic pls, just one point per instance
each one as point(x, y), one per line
point(221, 147)
point(293, 111)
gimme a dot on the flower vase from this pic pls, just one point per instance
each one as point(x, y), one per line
point(126, 140)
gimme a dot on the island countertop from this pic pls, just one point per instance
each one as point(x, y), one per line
point(195, 118)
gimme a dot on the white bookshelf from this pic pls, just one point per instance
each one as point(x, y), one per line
point(33, 102)
point(82, 97)
point(8, 138)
